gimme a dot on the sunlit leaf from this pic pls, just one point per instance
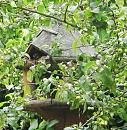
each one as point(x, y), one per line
point(9, 87)
point(13, 4)
point(33, 124)
point(25, 32)
point(52, 123)
point(2, 104)
point(96, 10)
point(42, 125)
point(19, 108)
point(40, 8)
point(25, 2)
point(120, 3)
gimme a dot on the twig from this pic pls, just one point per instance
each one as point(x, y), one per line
point(65, 15)
point(125, 126)
point(50, 16)
point(92, 118)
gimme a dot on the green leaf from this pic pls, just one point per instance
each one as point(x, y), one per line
point(9, 87)
point(84, 107)
point(11, 43)
point(89, 65)
point(42, 125)
point(122, 113)
point(12, 121)
point(33, 124)
point(103, 35)
point(96, 10)
point(25, 32)
point(19, 108)
point(74, 45)
point(46, 21)
point(68, 128)
point(110, 22)
point(88, 13)
point(25, 2)
point(40, 8)
point(13, 4)
point(10, 96)
point(30, 76)
point(1, 44)
point(52, 123)
point(2, 119)
point(120, 3)
point(106, 78)
point(2, 103)
point(47, 88)
point(56, 1)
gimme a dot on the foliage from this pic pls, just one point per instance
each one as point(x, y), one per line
point(97, 82)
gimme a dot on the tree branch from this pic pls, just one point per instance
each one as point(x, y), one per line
point(50, 16)
point(65, 15)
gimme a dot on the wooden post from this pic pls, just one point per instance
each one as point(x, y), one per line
point(26, 86)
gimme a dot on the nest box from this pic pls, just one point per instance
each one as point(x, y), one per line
point(66, 46)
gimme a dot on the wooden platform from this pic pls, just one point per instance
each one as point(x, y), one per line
point(53, 109)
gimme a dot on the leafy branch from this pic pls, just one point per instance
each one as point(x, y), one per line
point(50, 16)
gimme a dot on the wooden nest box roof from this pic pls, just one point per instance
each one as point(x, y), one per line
point(57, 42)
